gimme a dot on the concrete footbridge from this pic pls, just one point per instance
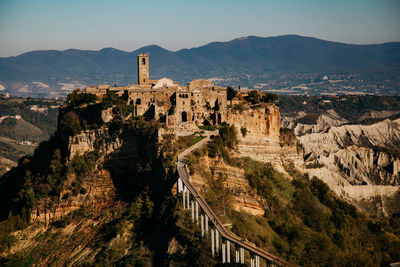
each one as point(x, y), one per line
point(210, 224)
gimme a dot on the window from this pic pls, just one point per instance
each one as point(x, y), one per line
point(143, 61)
point(144, 80)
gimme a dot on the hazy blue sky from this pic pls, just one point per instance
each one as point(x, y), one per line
point(174, 24)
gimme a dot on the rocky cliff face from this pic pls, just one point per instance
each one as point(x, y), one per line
point(98, 193)
point(321, 124)
point(263, 121)
point(244, 198)
point(358, 162)
point(97, 189)
point(99, 140)
point(261, 139)
point(358, 153)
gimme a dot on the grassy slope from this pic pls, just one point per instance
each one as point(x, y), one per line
point(304, 221)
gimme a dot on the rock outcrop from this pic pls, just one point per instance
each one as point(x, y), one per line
point(97, 189)
point(356, 161)
point(99, 192)
point(244, 198)
point(262, 121)
point(260, 137)
point(99, 140)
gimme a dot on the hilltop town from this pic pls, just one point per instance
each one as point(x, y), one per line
point(168, 101)
point(200, 103)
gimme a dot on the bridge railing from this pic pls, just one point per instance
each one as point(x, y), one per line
point(187, 189)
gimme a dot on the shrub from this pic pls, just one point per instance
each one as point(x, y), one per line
point(286, 137)
point(110, 99)
point(230, 93)
point(70, 123)
point(269, 98)
point(254, 97)
point(77, 98)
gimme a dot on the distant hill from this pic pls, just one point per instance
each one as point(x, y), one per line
point(249, 54)
point(19, 129)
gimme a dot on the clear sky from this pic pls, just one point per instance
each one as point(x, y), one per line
point(27, 25)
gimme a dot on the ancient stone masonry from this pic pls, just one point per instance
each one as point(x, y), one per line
point(200, 101)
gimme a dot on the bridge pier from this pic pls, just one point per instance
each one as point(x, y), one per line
point(216, 241)
point(187, 198)
point(192, 211)
point(197, 213)
point(202, 224)
point(212, 242)
point(237, 258)
point(183, 197)
point(223, 252)
point(242, 255)
point(180, 185)
point(228, 251)
point(257, 261)
point(206, 222)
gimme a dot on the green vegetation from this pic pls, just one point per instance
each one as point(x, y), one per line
point(230, 93)
point(304, 221)
point(78, 98)
point(46, 121)
point(110, 99)
point(8, 151)
point(348, 106)
point(269, 98)
point(39, 121)
point(286, 137)
point(254, 97)
point(208, 127)
point(184, 142)
point(238, 107)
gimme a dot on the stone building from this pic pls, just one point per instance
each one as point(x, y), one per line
point(201, 101)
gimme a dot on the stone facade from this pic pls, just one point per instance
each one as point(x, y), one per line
point(200, 101)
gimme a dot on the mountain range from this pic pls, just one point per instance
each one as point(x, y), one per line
point(247, 55)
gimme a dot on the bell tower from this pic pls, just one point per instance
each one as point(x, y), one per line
point(143, 68)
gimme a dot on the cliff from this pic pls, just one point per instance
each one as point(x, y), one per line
point(243, 197)
point(358, 162)
point(259, 137)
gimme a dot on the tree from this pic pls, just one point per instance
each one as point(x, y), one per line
point(77, 98)
point(110, 99)
point(230, 93)
point(254, 97)
point(70, 123)
point(269, 98)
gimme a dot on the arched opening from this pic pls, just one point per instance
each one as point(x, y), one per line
point(184, 116)
point(138, 101)
point(143, 61)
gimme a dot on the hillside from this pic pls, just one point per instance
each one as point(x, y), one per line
point(24, 122)
point(44, 73)
point(103, 193)
point(352, 144)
